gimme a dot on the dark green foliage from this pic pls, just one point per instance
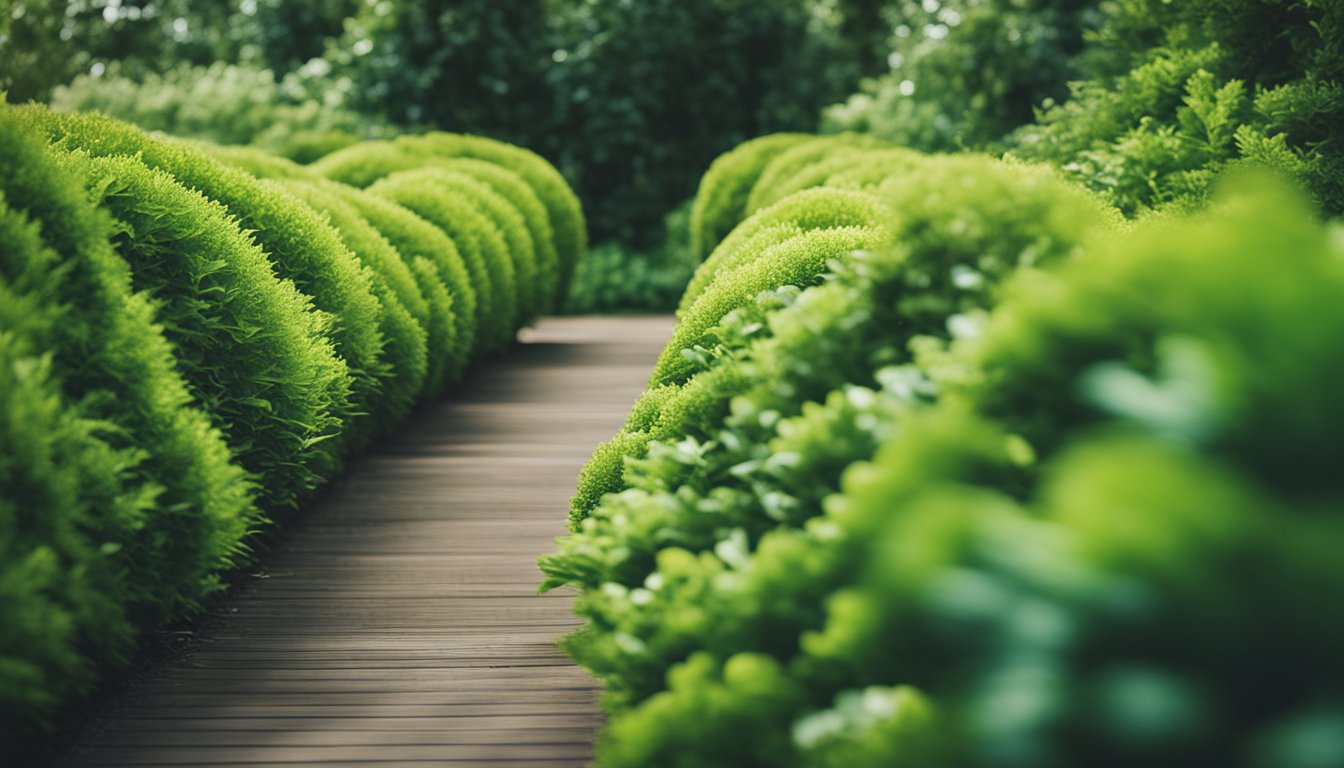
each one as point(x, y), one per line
point(612, 278)
point(302, 247)
point(964, 73)
point(445, 285)
point(721, 201)
point(225, 103)
point(119, 502)
point(1179, 93)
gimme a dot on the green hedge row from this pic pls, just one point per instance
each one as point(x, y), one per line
point(1019, 485)
point(193, 339)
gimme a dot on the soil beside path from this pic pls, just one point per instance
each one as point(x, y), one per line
point(399, 623)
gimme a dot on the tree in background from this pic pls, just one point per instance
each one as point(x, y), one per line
point(963, 73)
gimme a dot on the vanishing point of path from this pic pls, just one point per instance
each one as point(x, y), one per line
point(400, 623)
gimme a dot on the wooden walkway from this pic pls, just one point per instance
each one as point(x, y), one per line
point(398, 623)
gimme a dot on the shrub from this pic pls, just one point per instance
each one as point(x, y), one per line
point(816, 209)
point(838, 563)
point(119, 501)
point(562, 206)
point(721, 201)
point(302, 247)
point(428, 195)
point(254, 160)
point(442, 277)
point(786, 164)
point(360, 165)
point(405, 311)
point(251, 347)
point(541, 287)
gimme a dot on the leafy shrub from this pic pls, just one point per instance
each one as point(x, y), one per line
point(405, 311)
point(430, 195)
point(1221, 83)
point(302, 247)
point(562, 205)
point(366, 163)
point(440, 273)
point(869, 485)
point(785, 165)
point(119, 501)
point(721, 201)
point(964, 73)
point(818, 209)
point(273, 389)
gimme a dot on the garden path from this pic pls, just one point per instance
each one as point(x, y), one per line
point(397, 622)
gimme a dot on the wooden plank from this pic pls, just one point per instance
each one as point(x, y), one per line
point(397, 621)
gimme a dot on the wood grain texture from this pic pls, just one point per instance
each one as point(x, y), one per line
point(397, 622)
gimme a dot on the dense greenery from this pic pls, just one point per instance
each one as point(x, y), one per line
point(984, 496)
point(189, 350)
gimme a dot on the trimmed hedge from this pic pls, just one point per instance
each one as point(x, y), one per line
point(186, 349)
point(303, 248)
point(119, 503)
point(721, 200)
point(429, 195)
point(1020, 456)
point(363, 164)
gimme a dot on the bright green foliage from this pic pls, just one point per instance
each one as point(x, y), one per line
point(446, 286)
point(429, 194)
point(799, 260)
point(119, 503)
point(783, 166)
point(721, 200)
point(849, 168)
point(405, 311)
point(510, 256)
point(251, 347)
point(816, 209)
point(255, 161)
point(562, 206)
point(360, 165)
point(564, 230)
point(302, 247)
point(513, 188)
point(1045, 562)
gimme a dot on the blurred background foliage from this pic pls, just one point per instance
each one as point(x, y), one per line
point(1144, 101)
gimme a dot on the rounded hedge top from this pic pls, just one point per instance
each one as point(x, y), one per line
point(302, 246)
point(721, 200)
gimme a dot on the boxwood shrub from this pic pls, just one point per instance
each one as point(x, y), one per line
point(721, 200)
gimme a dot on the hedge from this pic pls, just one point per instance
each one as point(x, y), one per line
point(119, 503)
point(721, 199)
point(303, 248)
point(987, 496)
point(363, 164)
point(187, 350)
point(428, 195)
point(441, 274)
